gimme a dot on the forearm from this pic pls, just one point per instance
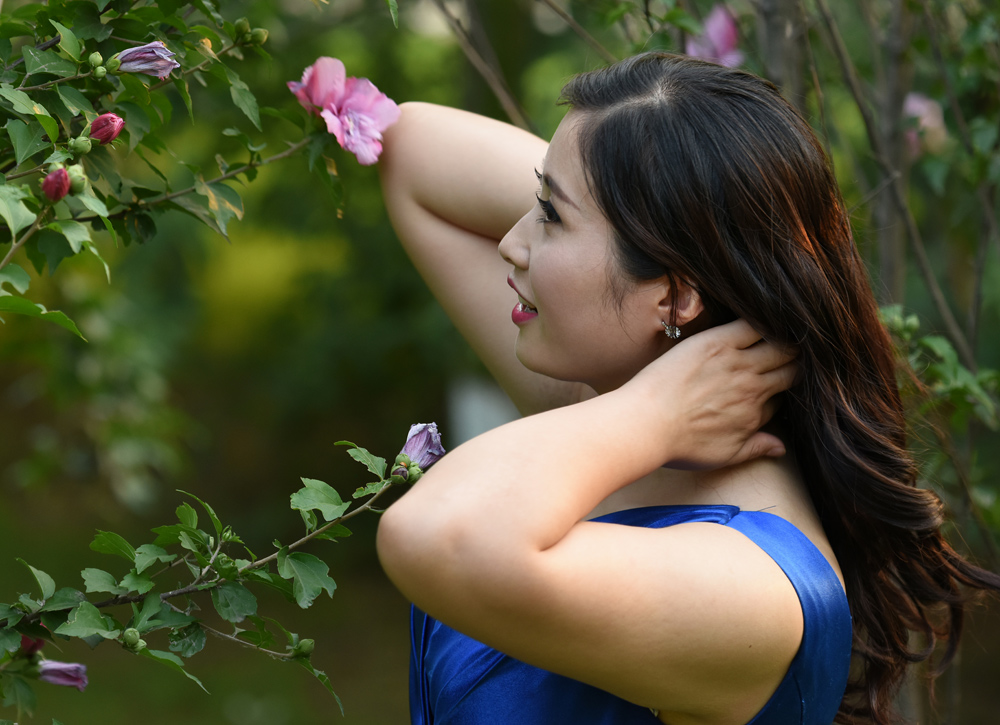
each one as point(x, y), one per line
point(469, 170)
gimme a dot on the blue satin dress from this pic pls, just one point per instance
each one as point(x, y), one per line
point(455, 680)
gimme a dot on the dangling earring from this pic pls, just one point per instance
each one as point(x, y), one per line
point(671, 331)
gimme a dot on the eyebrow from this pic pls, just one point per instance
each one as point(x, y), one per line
point(557, 190)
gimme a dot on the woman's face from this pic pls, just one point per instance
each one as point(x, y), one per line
point(570, 326)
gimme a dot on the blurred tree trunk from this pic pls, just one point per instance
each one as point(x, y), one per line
point(781, 29)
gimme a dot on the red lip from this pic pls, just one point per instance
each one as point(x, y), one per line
point(510, 281)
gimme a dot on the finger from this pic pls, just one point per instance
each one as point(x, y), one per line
point(780, 379)
point(737, 333)
point(765, 356)
point(758, 445)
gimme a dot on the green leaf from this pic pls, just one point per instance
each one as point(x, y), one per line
point(92, 202)
point(151, 606)
point(172, 661)
point(135, 88)
point(310, 575)
point(21, 306)
point(67, 40)
point(209, 510)
point(188, 641)
point(45, 582)
point(224, 202)
point(261, 637)
point(21, 101)
point(86, 620)
point(234, 602)
point(18, 693)
point(181, 84)
point(321, 676)
point(373, 463)
point(65, 598)
point(75, 102)
point(243, 97)
point(370, 488)
point(147, 554)
point(15, 276)
point(320, 497)
point(335, 532)
point(54, 247)
point(15, 213)
point(10, 641)
point(393, 11)
point(272, 580)
point(28, 139)
point(46, 61)
point(138, 583)
point(76, 234)
point(49, 125)
point(98, 580)
point(187, 515)
point(10, 615)
point(108, 542)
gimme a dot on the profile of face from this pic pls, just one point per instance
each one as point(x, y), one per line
point(570, 325)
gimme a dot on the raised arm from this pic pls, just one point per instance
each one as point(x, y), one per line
point(454, 183)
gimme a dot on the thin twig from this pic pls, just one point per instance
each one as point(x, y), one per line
point(977, 515)
point(898, 194)
point(582, 32)
point(29, 172)
point(27, 235)
point(49, 84)
point(51, 42)
point(817, 88)
point(232, 638)
point(492, 77)
point(874, 192)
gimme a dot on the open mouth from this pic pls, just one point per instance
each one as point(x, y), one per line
point(525, 307)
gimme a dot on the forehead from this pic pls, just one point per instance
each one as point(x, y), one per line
point(563, 162)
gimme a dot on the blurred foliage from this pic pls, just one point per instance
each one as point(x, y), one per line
point(228, 369)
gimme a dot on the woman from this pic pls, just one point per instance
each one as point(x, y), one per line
point(675, 196)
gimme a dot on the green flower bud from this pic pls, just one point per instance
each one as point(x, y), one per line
point(55, 167)
point(113, 64)
point(242, 27)
point(304, 648)
point(131, 638)
point(95, 59)
point(77, 178)
point(99, 72)
point(80, 146)
point(258, 36)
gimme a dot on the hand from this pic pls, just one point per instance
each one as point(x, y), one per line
point(713, 392)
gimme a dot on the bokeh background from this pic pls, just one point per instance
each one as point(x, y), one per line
point(229, 369)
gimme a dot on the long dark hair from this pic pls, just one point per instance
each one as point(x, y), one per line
point(708, 175)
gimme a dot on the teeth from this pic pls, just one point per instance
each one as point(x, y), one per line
point(522, 307)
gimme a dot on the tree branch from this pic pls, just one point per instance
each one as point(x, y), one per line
point(582, 32)
point(923, 262)
point(27, 235)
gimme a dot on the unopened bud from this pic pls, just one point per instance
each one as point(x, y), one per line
point(242, 27)
point(56, 185)
point(113, 64)
point(95, 59)
point(258, 36)
point(414, 472)
point(80, 146)
point(77, 178)
point(304, 648)
point(99, 72)
point(131, 638)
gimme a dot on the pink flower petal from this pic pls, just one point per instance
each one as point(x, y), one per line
point(322, 85)
point(364, 98)
point(720, 31)
point(333, 125)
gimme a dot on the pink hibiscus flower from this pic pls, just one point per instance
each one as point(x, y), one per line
point(718, 42)
point(355, 111)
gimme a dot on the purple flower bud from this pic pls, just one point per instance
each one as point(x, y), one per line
point(63, 673)
point(423, 445)
point(106, 128)
point(56, 185)
point(153, 59)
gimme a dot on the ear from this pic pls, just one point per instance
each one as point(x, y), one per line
point(683, 307)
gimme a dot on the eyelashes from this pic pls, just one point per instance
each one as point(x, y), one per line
point(549, 214)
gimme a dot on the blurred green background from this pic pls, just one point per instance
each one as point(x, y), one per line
point(230, 369)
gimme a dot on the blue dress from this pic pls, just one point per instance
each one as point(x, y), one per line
point(455, 680)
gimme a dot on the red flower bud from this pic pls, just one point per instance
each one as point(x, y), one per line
point(30, 645)
point(106, 128)
point(56, 185)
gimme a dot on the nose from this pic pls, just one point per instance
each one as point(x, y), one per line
point(514, 247)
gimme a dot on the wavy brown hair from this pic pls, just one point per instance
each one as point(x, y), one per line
point(708, 175)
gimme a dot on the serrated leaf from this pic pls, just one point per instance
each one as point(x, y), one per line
point(137, 582)
point(371, 488)
point(21, 306)
point(243, 97)
point(373, 463)
point(10, 615)
point(209, 510)
point(15, 276)
point(310, 576)
point(28, 139)
point(147, 554)
point(85, 621)
point(321, 676)
point(67, 40)
point(12, 209)
point(108, 542)
point(188, 641)
point(75, 102)
point(319, 496)
point(65, 598)
point(98, 580)
point(234, 602)
point(46, 61)
point(187, 515)
point(173, 662)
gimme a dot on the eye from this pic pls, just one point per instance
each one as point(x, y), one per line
point(549, 214)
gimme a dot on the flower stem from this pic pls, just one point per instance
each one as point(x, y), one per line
point(19, 174)
point(49, 84)
point(27, 235)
